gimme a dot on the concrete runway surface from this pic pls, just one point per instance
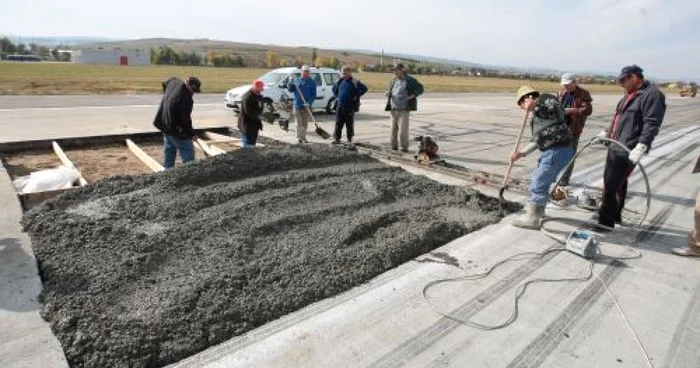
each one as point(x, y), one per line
point(386, 322)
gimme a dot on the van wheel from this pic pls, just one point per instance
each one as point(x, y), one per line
point(330, 107)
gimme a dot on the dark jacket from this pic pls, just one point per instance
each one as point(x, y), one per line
point(348, 92)
point(640, 119)
point(582, 108)
point(413, 87)
point(549, 127)
point(251, 108)
point(307, 88)
point(174, 116)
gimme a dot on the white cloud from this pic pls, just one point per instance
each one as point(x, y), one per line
point(571, 35)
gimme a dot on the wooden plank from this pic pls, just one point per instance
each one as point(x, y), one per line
point(67, 162)
point(216, 137)
point(209, 149)
point(144, 157)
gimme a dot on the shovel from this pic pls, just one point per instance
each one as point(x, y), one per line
point(322, 133)
point(510, 167)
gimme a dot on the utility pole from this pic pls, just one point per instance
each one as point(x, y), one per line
point(381, 60)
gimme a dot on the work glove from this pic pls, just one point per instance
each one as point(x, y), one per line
point(636, 154)
point(600, 137)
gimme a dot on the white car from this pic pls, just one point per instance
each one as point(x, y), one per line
point(325, 78)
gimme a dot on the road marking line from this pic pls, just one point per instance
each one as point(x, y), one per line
point(97, 107)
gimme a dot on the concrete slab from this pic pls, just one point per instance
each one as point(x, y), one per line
point(387, 323)
point(25, 338)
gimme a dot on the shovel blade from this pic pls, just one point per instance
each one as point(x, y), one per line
point(322, 133)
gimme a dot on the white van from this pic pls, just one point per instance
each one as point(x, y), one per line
point(325, 78)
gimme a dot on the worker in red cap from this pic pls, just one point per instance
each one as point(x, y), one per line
point(249, 122)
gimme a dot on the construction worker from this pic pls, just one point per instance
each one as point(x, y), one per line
point(401, 100)
point(693, 247)
point(174, 119)
point(576, 102)
point(637, 120)
point(303, 87)
point(347, 92)
point(552, 137)
point(249, 122)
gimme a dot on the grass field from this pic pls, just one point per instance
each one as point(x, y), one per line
point(66, 78)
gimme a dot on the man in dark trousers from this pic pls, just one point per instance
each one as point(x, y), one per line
point(576, 102)
point(637, 120)
point(174, 119)
point(347, 92)
point(249, 122)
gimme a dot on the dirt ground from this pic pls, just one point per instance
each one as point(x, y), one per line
point(100, 162)
point(23, 164)
point(143, 271)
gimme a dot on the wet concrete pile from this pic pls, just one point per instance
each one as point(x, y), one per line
point(144, 271)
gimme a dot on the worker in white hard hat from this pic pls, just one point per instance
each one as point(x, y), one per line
point(551, 135)
point(576, 102)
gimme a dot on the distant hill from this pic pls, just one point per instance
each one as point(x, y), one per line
point(252, 53)
point(55, 41)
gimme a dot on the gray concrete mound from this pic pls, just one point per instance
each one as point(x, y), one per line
point(144, 271)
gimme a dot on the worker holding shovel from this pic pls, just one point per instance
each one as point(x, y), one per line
point(304, 90)
point(551, 135)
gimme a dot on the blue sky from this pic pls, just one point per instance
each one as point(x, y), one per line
point(662, 36)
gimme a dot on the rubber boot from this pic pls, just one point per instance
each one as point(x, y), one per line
point(532, 217)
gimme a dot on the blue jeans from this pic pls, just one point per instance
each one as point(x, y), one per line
point(249, 139)
point(173, 145)
point(550, 163)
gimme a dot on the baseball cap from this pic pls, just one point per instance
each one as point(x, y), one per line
point(305, 68)
point(567, 78)
point(399, 66)
point(259, 84)
point(630, 69)
point(195, 84)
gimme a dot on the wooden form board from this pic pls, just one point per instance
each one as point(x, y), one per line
point(216, 137)
point(210, 150)
point(144, 157)
point(67, 162)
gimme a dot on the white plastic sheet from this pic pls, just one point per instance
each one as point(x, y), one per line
point(45, 180)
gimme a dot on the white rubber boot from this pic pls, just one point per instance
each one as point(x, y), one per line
point(532, 217)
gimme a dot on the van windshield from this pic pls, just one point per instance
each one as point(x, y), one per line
point(272, 77)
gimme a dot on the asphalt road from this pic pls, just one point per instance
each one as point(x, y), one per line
point(477, 130)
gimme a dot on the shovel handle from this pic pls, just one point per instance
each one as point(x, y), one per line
point(303, 100)
point(517, 145)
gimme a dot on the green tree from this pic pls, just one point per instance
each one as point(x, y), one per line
point(6, 46)
point(321, 61)
point(334, 63)
point(54, 53)
point(272, 59)
point(238, 61)
point(314, 55)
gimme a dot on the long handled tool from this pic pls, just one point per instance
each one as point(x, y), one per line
point(510, 167)
point(322, 133)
